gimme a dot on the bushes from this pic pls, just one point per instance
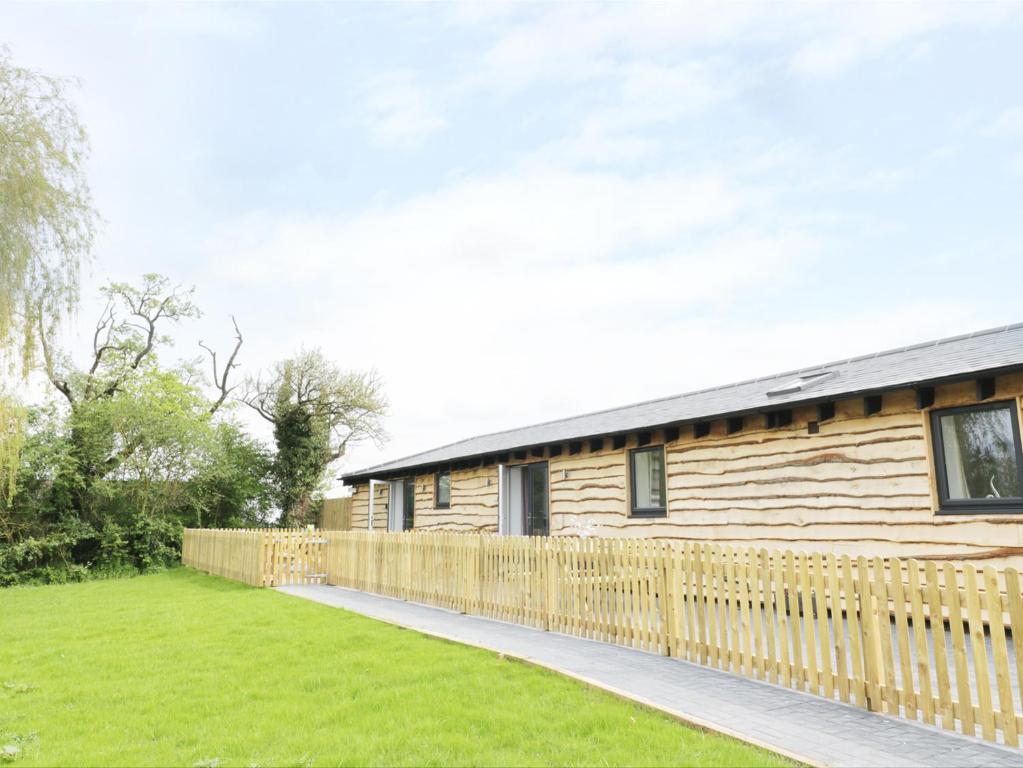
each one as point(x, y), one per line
point(64, 525)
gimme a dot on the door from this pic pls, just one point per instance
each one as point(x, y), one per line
point(401, 510)
point(524, 506)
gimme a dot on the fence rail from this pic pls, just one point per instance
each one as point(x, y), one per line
point(920, 640)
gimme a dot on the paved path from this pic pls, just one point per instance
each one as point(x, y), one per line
point(808, 728)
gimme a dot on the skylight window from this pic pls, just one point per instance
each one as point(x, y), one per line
point(800, 384)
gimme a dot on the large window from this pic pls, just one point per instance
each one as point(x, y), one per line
point(646, 478)
point(978, 458)
point(442, 491)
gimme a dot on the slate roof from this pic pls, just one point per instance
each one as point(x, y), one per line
point(989, 351)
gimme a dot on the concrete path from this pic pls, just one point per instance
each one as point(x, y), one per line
point(807, 728)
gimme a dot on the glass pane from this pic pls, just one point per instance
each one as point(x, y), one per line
point(537, 480)
point(980, 454)
point(648, 479)
point(410, 500)
point(443, 489)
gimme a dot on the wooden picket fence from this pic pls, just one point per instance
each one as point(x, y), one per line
point(262, 557)
point(920, 640)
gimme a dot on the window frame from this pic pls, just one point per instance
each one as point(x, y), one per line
point(634, 510)
point(947, 506)
point(436, 489)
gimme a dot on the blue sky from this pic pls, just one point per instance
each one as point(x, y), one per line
point(520, 212)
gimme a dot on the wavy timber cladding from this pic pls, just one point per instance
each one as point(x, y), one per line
point(473, 503)
point(360, 507)
point(862, 485)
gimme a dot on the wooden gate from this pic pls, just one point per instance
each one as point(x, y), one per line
point(293, 556)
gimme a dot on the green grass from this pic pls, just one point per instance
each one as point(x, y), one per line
point(180, 668)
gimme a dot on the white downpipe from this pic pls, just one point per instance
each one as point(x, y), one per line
point(502, 500)
point(372, 496)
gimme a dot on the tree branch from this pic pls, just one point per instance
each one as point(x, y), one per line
point(61, 385)
point(221, 381)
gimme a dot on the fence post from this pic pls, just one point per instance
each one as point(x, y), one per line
point(257, 575)
point(871, 639)
point(549, 579)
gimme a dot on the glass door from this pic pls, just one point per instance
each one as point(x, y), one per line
point(535, 494)
point(401, 510)
point(523, 504)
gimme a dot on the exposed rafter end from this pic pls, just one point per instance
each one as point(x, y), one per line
point(776, 419)
point(986, 388)
point(872, 404)
point(924, 397)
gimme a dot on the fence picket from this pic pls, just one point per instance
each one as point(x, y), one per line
point(1000, 654)
point(979, 648)
point(823, 634)
point(884, 636)
point(923, 666)
point(955, 620)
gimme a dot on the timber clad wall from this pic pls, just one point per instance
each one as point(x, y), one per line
point(862, 485)
point(360, 507)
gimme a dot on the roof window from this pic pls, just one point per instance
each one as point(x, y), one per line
point(801, 384)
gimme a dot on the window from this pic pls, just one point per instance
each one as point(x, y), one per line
point(442, 491)
point(978, 459)
point(646, 468)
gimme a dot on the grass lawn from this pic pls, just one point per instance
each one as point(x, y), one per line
point(180, 668)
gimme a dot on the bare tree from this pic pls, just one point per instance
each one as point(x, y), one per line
point(126, 339)
point(127, 336)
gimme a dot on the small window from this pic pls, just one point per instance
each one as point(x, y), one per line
point(647, 481)
point(442, 491)
point(978, 458)
point(804, 382)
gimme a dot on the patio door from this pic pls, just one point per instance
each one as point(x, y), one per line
point(524, 506)
point(401, 509)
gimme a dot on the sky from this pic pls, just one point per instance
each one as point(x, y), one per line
point(520, 212)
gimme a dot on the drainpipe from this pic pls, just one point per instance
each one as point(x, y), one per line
point(502, 502)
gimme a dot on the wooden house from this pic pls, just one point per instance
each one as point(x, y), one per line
point(913, 452)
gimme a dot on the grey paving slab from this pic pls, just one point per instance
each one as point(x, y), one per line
point(809, 728)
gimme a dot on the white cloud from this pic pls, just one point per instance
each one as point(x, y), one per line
point(500, 300)
point(533, 289)
point(836, 37)
point(220, 20)
point(1008, 123)
point(398, 110)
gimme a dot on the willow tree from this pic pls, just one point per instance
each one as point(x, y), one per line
point(317, 411)
point(46, 228)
